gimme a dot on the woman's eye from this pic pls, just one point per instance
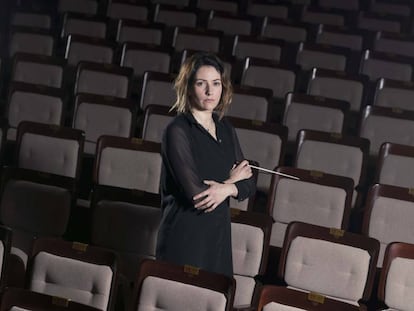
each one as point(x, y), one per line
point(199, 83)
point(217, 83)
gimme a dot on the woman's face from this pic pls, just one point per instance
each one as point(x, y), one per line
point(207, 89)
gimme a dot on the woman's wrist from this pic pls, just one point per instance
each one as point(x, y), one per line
point(233, 191)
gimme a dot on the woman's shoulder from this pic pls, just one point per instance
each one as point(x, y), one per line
point(178, 125)
point(179, 121)
point(226, 123)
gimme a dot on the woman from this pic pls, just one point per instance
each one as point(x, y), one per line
point(202, 167)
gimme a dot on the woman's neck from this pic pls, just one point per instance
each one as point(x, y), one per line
point(205, 120)
point(203, 117)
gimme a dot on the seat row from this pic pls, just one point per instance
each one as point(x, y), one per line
point(163, 31)
point(93, 113)
point(329, 190)
point(32, 188)
point(356, 88)
point(273, 144)
point(320, 269)
point(98, 115)
point(25, 40)
point(330, 51)
point(392, 16)
point(347, 94)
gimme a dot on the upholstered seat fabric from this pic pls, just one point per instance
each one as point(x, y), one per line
point(280, 81)
point(391, 221)
point(33, 107)
point(162, 294)
point(332, 269)
point(80, 51)
point(377, 68)
point(100, 83)
point(308, 202)
point(248, 107)
point(32, 207)
point(274, 306)
point(247, 250)
point(115, 169)
point(395, 98)
point(309, 59)
point(200, 43)
point(347, 90)
point(154, 127)
point(79, 281)
point(263, 148)
point(97, 120)
point(31, 43)
point(144, 60)
point(62, 154)
point(38, 73)
point(380, 129)
point(334, 159)
point(399, 290)
point(397, 170)
point(307, 116)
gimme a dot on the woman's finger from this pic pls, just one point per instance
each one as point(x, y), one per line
point(211, 209)
point(201, 195)
point(202, 203)
point(205, 192)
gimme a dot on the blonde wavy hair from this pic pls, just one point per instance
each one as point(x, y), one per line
point(184, 82)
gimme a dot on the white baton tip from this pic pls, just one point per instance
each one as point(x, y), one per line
point(273, 172)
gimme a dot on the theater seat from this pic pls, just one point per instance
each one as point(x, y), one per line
point(177, 288)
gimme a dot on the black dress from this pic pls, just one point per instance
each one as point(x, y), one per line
point(191, 155)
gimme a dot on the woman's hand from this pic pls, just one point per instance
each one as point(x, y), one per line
point(214, 195)
point(239, 172)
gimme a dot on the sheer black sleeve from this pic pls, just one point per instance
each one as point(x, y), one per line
point(246, 187)
point(178, 157)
